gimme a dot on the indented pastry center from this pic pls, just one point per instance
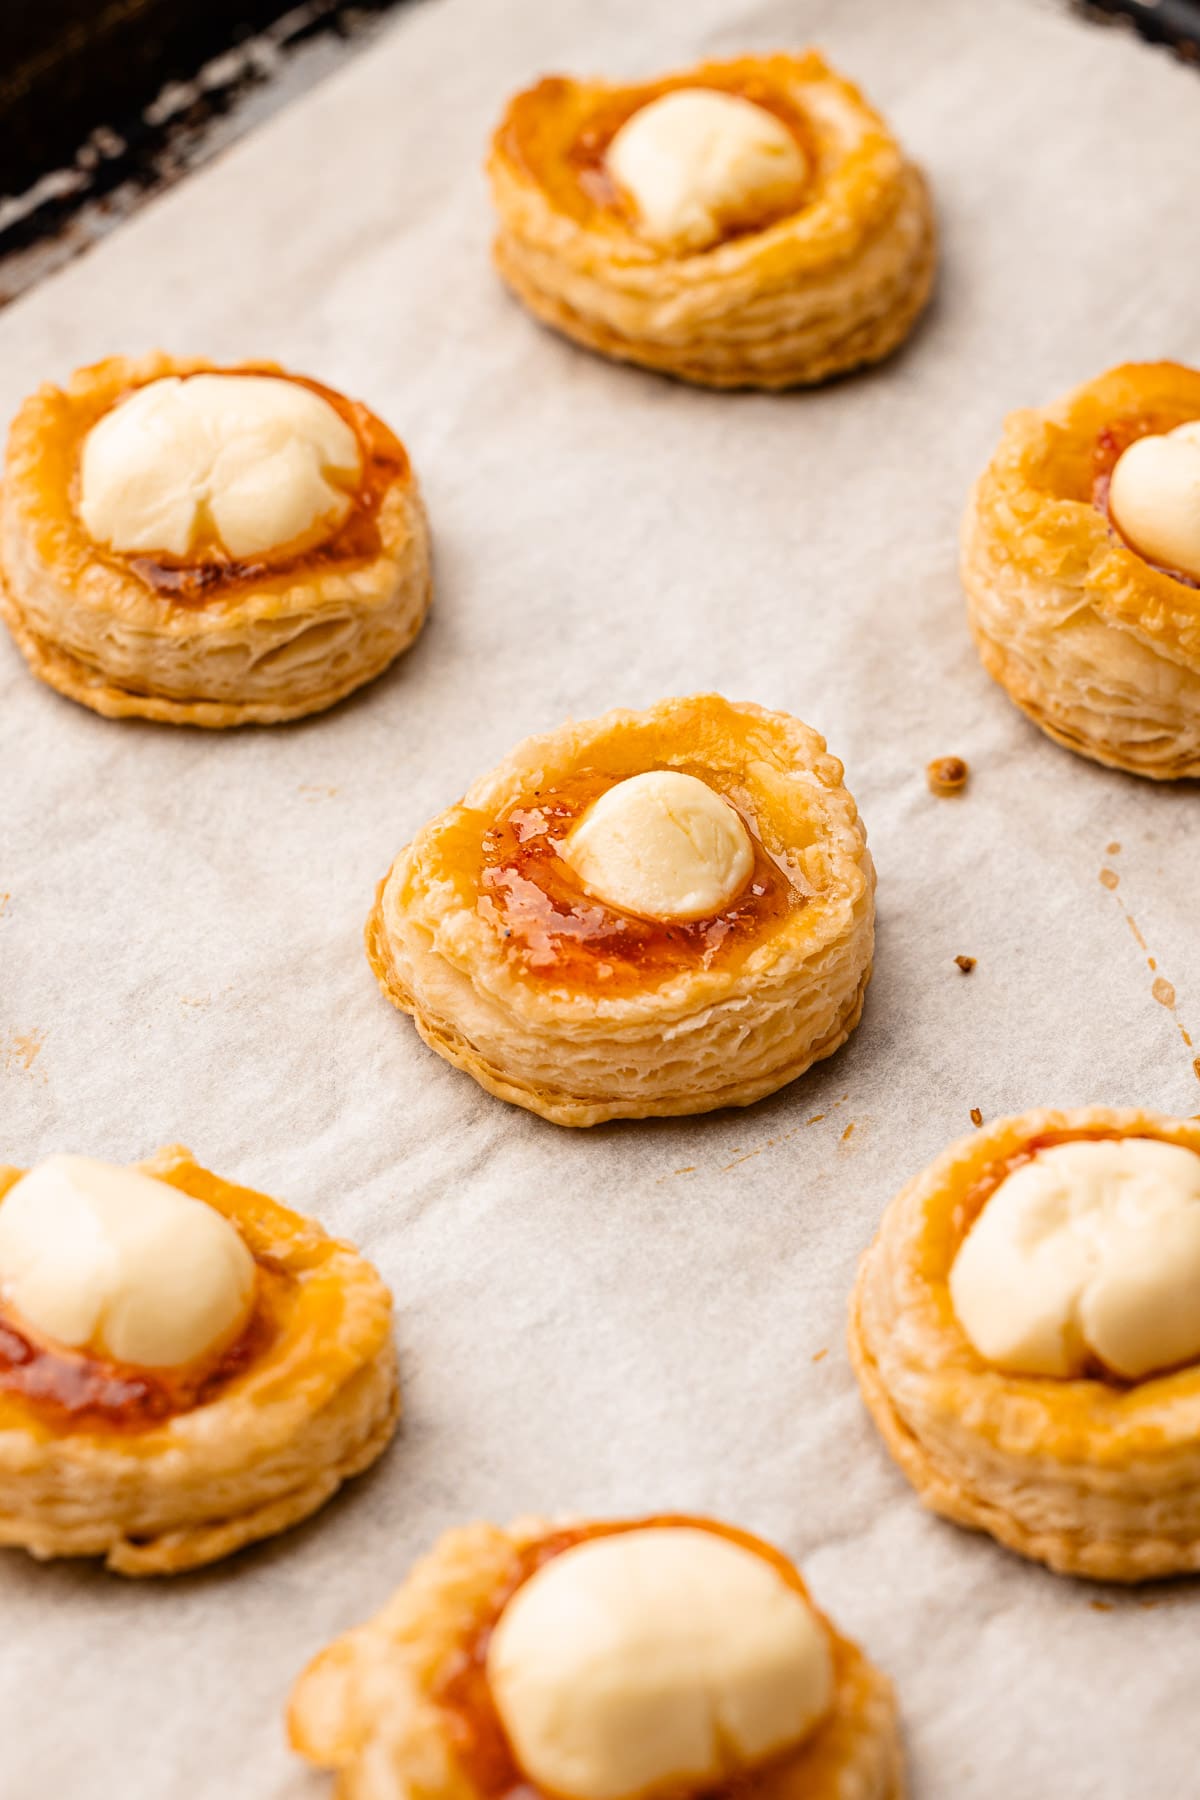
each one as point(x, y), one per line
point(217, 466)
point(113, 1262)
point(699, 163)
point(1089, 1253)
point(662, 845)
point(665, 1657)
point(1154, 498)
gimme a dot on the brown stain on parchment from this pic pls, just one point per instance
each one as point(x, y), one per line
point(1161, 989)
point(743, 1156)
point(4, 900)
point(21, 1050)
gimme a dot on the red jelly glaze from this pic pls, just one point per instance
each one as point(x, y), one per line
point(73, 1388)
point(357, 540)
point(464, 1693)
point(559, 932)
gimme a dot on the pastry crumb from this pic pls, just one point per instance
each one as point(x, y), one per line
point(976, 1117)
point(947, 775)
point(818, 1354)
point(965, 963)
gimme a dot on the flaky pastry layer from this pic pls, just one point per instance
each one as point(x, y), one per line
point(1098, 647)
point(698, 1038)
point(318, 1405)
point(367, 1706)
point(1091, 1477)
point(833, 285)
point(259, 652)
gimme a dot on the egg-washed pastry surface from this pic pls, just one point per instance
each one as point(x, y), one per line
point(655, 912)
point(750, 223)
point(600, 1661)
point(1026, 1333)
point(1081, 564)
point(185, 1365)
point(208, 546)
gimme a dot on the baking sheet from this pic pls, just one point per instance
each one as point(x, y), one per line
point(638, 1317)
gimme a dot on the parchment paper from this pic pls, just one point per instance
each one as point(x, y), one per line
point(637, 1317)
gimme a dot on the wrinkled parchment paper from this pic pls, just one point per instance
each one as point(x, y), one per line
point(637, 1317)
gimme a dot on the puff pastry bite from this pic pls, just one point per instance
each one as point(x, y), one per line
point(185, 1366)
point(750, 223)
point(1081, 563)
point(610, 1661)
point(1026, 1335)
point(208, 546)
point(646, 913)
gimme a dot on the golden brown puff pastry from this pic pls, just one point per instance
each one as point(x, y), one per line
point(203, 634)
point(786, 282)
point(1093, 1473)
point(159, 1470)
point(407, 1704)
point(583, 1010)
point(1098, 643)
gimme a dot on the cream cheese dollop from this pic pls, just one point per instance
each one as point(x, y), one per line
point(1088, 1253)
point(108, 1260)
point(662, 845)
point(667, 1657)
point(1154, 498)
point(698, 163)
point(206, 466)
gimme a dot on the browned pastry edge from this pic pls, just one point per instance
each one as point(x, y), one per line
point(561, 1107)
point(1026, 693)
point(831, 284)
point(868, 341)
point(76, 681)
point(1089, 1483)
point(316, 1406)
point(367, 1706)
point(1099, 647)
point(174, 1552)
point(272, 648)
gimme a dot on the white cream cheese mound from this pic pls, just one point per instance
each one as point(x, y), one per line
point(1090, 1251)
point(667, 1657)
point(662, 845)
point(210, 464)
point(698, 163)
point(111, 1261)
point(1154, 498)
